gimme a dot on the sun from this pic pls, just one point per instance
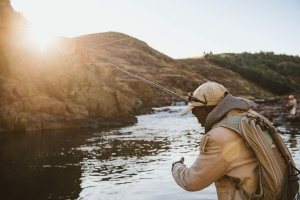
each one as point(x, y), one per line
point(41, 38)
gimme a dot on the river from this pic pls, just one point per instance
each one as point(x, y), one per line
point(121, 163)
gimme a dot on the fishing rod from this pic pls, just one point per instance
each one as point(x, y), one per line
point(147, 81)
point(125, 71)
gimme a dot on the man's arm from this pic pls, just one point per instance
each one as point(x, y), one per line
point(207, 168)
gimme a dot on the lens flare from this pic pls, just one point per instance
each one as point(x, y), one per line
point(41, 38)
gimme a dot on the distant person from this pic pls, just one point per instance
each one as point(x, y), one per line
point(292, 105)
point(224, 157)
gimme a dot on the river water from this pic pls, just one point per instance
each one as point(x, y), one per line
point(124, 163)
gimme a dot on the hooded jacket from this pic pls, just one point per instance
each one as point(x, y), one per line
point(223, 157)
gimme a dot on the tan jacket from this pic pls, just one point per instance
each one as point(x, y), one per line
point(223, 156)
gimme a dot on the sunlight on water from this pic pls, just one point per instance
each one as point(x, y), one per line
point(139, 165)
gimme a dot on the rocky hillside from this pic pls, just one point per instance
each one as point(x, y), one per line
point(75, 84)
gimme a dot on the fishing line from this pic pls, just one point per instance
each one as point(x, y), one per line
point(130, 74)
point(97, 45)
point(148, 82)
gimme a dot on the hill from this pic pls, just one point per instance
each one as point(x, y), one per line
point(74, 84)
point(279, 73)
point(234, 82)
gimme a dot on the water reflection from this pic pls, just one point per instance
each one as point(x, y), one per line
point(39, 165)
point(127, 163)
point(293, 141)
point(108, 147)
point(111, 156)
point(139, 158)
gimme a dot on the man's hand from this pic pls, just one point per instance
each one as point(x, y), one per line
point(180, 161)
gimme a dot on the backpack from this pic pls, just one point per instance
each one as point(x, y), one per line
point(278, 175)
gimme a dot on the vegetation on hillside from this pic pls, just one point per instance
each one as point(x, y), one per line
point(278, 73)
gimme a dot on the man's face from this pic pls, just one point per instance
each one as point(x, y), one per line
point(201, 113)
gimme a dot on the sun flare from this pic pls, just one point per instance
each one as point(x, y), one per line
point(42, 38)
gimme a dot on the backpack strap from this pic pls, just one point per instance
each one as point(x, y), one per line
point(233, 122)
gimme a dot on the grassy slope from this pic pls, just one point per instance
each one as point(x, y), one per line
point(278, 73)
point(234, 82)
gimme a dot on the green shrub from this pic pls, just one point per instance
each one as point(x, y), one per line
point(265, 68)
point(13, 121)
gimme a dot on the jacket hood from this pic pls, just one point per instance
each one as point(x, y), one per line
point(227, 104)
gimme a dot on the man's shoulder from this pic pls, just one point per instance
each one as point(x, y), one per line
point(222, 134)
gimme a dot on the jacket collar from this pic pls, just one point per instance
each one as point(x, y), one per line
point(228, 103)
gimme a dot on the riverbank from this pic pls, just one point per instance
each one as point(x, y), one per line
point(277, 112)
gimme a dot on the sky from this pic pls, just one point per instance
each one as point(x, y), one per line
point(176, 28)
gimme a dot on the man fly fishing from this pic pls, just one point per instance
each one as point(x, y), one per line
point(236, 152)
